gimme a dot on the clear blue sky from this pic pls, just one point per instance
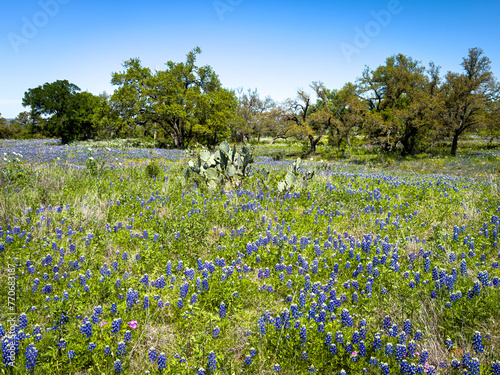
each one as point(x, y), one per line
point(273, 46)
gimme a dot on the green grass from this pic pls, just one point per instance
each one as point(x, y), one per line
point(160, 220)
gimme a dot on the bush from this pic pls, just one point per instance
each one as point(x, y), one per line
point(162, 143)
point(152, 170)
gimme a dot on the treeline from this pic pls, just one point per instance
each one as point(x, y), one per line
point(401, 106)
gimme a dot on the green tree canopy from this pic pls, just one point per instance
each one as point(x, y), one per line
point(185, 100)
point(465, 96)
point(67, 113)
point(5, 131)
point(256, 115)
point(307, 119)
point(349, 113)
point(401, 97)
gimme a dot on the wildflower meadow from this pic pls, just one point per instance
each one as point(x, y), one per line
point(113, 262)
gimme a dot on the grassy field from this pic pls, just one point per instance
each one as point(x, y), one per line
point(381, 265)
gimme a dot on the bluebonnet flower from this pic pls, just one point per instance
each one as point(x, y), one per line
point(477, 341)
point(118, 366)
point(411, 349)
point(354, 297)
point(86, 328)
point(47, 289)
point(216, 332)
point(339, 338)
point(62, 344)
point(424, 356)
point(332, 349)
point(152, 355)
point(8, 350)
point(184, 289)
point(23, 321)
point(194, 299)
point(116, 325)
point(418, 336)
point(495, 367)
point(276, 367)
point(407, 327)
point(132, 297)
point(121, 349)
point(253, 352)
point(303, 334)
point(262, 325)
point(31, 355)
point(388, 349)
point(355, 337)
point(347, 320)
point(362, 348)
point(71, 354)
point(402, 338)
point(212, 364)
point(248, 360)
point(449, 343)
point(377, 342)
point(222, 310)
point(128, 336)
point(107, 350)
point(91, 346)
point(169, 268)
point(474, 366)
point(386, 322)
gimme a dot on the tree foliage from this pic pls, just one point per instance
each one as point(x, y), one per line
point(401, 106)
point(5, 131)
point(62, 110)
point(349, 114)
point(184, 100)
point(256, 116)
point(400, 97)
point(465, 96)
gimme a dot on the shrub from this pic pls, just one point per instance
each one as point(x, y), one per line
point(152, 170)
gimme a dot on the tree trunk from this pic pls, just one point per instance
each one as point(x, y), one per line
point(408, 146)
point(313, 142)
point(454, 144)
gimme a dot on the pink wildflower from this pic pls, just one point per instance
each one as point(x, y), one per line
point(132, 324)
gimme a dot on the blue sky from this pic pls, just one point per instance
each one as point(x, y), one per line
point(276, 47)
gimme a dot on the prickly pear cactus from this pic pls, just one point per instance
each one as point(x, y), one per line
point(225, 165)
point(294, 179)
